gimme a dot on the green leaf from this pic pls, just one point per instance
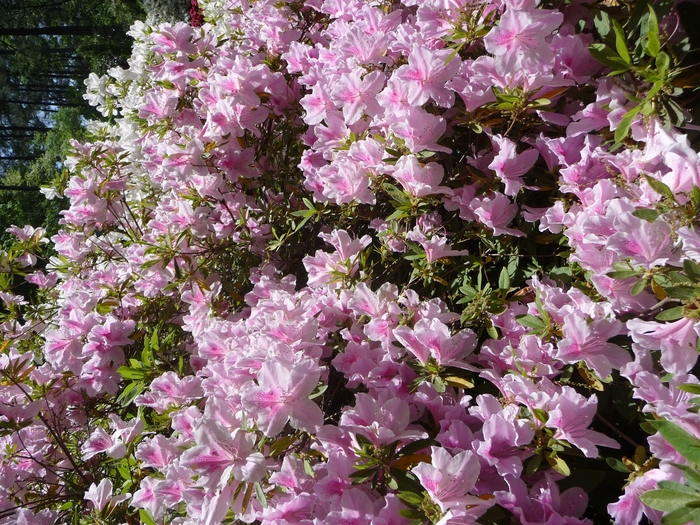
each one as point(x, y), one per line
point(672, 314)
point(618, 465)
point(558, 464)
point(622, 265)
point(533, 464)
point(681, 516)
point(146, 517)
point(504, 280)
point(621, 42)
point(130, 373)
point(637, 15)
point(123, 469)
point(653, 45)
point(155, 341)
point(607, 56)
point(667, 500)
point(414, 447)
point(395, 193)
point(691, 475)
point(319, 391)
point(492, 332)
point(281, 445)
point(363, 441)
point(362, 476)
point(687, 293)
point(309, 469)
point(411, 498)
point(396, 215)
point(639, 287)
point(646, 213)
point(693, 388)
point(625, 124)
point(260, 494)
point(678, 278)
point(695, 196)
point(678, 487)
point(623, 274)
point(130, 392)
point(692, 270)
point(531, 321)
point(662, 63)
point(540, 414)
point(686, 445)
point(660, 188)
point(602, 23)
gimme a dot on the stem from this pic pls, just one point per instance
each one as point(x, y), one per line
point(59, 441)
point(617, 431)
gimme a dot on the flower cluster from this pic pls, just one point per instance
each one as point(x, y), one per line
point(362, 262)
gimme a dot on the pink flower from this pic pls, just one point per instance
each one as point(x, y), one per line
point(645, 243)
point(99, 441)
point(544, 504)
point(282, 395)
point(628, 508)
point(572, 417)
point(497, 212)
point(420, 130)
point(144, 498)
point(101, 495)
point(157, 452)
point(220, 455)
point(509, 165)
point(383, 420)
point(448, 480)
point(426, 73)
point(419, 180)
point(317, 104)
point(356, 95)
point(518, 41)
point(501, 439)
point(676, 341)
point(325, 267)
point(436, 247)
point(355, 509)
point(431, 338)
point(587, 341)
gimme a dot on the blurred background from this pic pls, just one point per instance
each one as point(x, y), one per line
point(47, 49)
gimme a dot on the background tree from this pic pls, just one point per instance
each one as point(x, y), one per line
point(47, 49)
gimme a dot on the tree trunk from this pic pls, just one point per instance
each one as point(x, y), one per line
point(20, 188)
point(41, 103)
point(24, 128)
point(57, 30)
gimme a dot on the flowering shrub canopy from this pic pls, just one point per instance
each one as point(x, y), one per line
point(367, 262)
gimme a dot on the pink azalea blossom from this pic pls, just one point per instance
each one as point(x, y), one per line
point(282, 395)
point(518, 41)
point(675, 340)
point(587, 341)
point(356, 95)
point(509, 165)
point(432, 338)
point(449, 479)
point(220, 455)
point(419, 180)
point(101, 495)
point(572, 417)
point(426, 74)
point(496, 212)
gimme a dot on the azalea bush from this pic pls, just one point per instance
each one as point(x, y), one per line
point(368, 262)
